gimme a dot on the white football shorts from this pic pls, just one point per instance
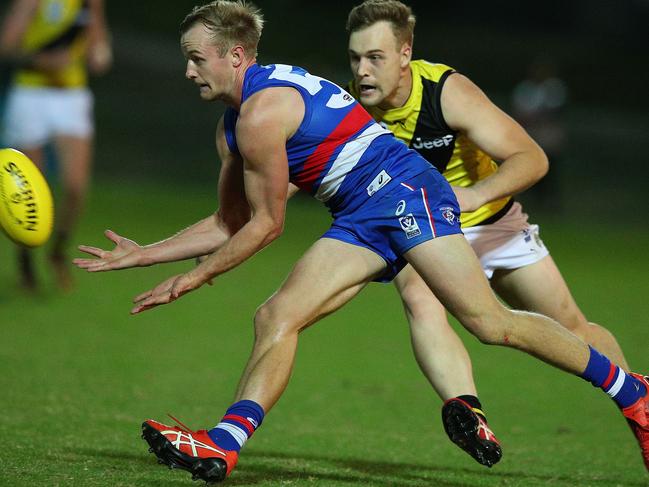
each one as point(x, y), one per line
point(509, 243)
point(33, 116)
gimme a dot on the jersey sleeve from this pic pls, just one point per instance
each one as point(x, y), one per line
point(229, 125)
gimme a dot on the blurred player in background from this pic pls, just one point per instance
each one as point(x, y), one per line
point(538, 102)
point(456, 128)
point(49, 45)
point(389, 207)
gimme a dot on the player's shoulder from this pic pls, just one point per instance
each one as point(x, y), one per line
point(274, 72)
point(429, 70)
point(269, 110)
point(259, 78)
point(269, 98)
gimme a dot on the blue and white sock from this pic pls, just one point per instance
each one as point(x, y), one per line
point(623, 388)
point(239, 423)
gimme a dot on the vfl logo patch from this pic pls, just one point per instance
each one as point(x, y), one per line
point(409, 225)
point(448, 214)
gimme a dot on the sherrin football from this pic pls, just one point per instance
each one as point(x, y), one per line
point(26, 207)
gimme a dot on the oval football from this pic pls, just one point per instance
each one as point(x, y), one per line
point(26, 206)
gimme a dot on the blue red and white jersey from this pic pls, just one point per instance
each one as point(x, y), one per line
point(339, 154)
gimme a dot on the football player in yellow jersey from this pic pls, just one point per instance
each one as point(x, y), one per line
point(50, 45)
point(449, 120)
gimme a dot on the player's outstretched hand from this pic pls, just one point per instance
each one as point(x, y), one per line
point(167, 291)
point(126, 254)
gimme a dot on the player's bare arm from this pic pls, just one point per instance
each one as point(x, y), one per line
point(197, 240)
point(522, 162)
point(234, 209)
point(200, 239)
point(15, 24)
point(14, 27)
point(239, 214)
point(100, 54)
point(267, 120)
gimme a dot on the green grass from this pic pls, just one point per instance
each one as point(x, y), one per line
point(79, 374)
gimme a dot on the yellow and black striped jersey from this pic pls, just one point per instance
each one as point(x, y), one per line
point(57, 24)
point(420, 124)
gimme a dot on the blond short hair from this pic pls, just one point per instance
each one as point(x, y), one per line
point(230, 22)
point(370, 12)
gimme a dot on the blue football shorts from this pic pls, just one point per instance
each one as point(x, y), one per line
point(411, 212)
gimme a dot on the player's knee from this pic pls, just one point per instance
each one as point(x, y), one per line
point(420, 303)
point(592, 332)
point(576, 323)
point(272, 322)
point(490, 329)
point(490, 334)
point(568, 314)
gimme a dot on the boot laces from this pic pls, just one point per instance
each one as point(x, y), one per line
point(180, 424)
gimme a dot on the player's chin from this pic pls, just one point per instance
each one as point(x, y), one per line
point(370, 99)
point(206, 93)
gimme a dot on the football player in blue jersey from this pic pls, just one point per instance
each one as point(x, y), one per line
point(389, 207)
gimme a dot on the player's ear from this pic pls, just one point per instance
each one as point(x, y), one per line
point(406, 54)
point(238, 54)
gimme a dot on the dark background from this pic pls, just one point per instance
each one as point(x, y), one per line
point(152, 124)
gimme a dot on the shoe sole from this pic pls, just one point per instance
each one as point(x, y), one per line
point(211, 470)
point(461, 426)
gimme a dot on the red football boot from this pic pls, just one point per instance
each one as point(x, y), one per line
point(637, 415)
point(470, 432)
point(194, 451)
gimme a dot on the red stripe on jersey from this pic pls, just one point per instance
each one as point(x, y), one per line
point(356, 119)
point(611, 376)
point(430, 218)
point(241, 420)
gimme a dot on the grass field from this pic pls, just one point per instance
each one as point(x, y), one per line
point(79, 374)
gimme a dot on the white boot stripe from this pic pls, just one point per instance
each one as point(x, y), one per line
point(187, 439)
